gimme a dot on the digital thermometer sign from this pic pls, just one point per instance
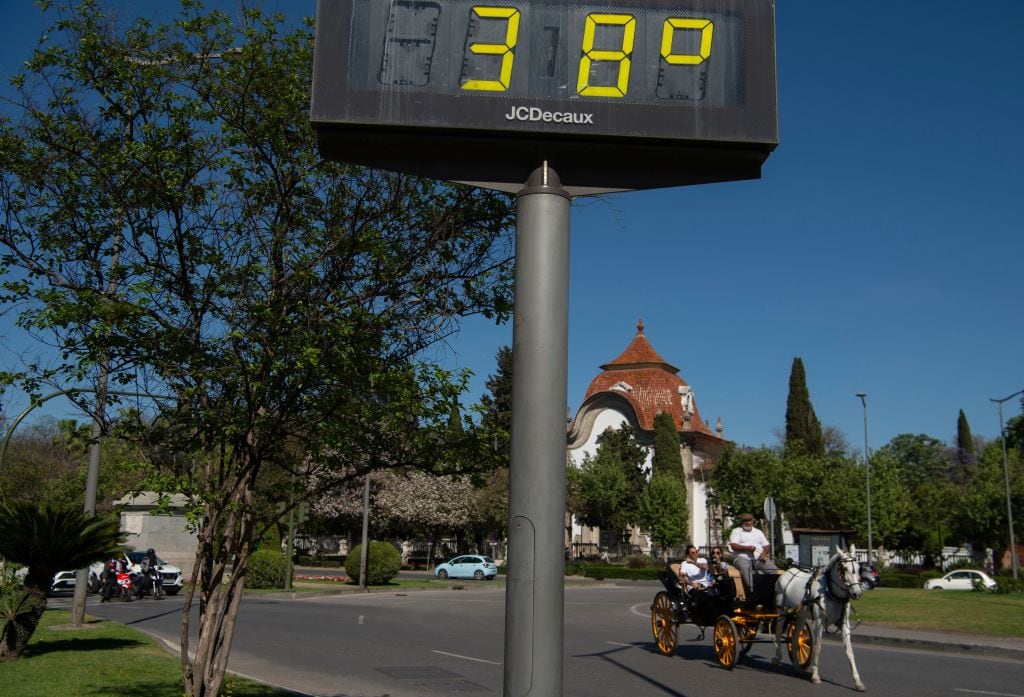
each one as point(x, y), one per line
point(613, 95)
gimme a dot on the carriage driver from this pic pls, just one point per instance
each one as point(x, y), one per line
point(750, 551)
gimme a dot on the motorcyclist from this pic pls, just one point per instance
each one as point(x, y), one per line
point(151, 579)
point(109, 581)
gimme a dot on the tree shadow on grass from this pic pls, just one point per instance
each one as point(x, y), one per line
point(45, 646)
point(173, 688)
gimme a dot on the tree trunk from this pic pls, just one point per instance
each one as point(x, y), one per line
point(221, 539)
point(20, 626)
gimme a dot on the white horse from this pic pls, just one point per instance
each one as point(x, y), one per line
point(826, 594)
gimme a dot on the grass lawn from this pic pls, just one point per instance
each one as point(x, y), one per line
point(954, 611)
point(103, 659)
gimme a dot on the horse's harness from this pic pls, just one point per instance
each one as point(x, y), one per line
point(837, 590)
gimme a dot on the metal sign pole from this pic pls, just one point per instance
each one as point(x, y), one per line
point(534, 645)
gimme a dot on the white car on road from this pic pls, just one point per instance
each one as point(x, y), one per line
point(172, 578)
point(961, 580)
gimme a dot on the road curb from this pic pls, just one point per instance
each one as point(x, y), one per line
point(949, 646)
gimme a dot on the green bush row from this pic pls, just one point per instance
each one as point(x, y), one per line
point(899, 579)
point(603, 571)
point(1009, 584)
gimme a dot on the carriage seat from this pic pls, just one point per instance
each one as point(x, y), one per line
point(737, 580)
point(763, 592)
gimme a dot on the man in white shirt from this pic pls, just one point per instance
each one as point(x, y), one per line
point(750, 551)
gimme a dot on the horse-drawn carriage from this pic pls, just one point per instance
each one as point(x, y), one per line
point(793, 606)
point(736, 621)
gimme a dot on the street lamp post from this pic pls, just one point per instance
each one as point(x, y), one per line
point(867, 467)
point(1014, 561)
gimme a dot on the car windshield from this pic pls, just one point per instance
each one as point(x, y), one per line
point(137, 557)
point(488, 560)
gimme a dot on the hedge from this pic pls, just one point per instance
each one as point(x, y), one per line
point(383, 563)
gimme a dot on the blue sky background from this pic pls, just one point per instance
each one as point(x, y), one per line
point(883, 244)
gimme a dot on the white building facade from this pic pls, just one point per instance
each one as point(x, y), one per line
point(634, 388)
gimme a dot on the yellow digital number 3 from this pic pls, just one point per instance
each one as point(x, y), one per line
point(622, 56)
point(706, 28)
point(505, 50)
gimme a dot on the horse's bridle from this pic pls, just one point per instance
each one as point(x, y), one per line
point(839, 591)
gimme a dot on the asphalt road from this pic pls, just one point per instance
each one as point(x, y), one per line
point(434, 643)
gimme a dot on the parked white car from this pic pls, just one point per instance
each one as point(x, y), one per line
point(65, 580)
point(961, 580)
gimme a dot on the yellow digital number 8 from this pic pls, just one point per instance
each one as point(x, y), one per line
point(622, 56)
point(504, 50)
point(707, 30)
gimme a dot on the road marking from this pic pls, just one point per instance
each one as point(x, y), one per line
point(360, 619)
point(986, 692)
point(466, 658)
point(645, 609)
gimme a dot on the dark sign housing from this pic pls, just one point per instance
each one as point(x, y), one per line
point(612, 94)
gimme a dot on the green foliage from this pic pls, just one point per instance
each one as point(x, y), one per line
point(813, 490)
point(619, 444)
point(981, 505)
point(667, 457)
point(271, 539)
point(267, 568)
point(383, 563)
point(48, 539)
point(964, 439)
point(921, 458)
point(496, 407)
point(602, 493)
point(662, 511)
point(167, 212)
point(802, 425)
point(46, 462)
point(494, 432)
point(897, 579)
point(1009, 584)
point(603, 571)
point(742, 478)
point(1015, 432)
point(638, 561)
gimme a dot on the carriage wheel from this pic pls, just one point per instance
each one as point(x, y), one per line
point(663, 624)
point(800, 641)
point(726, 642)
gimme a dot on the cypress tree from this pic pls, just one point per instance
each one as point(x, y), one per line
point(667, 458)
point(965, 456)
point(496, 404)
point(802, 425)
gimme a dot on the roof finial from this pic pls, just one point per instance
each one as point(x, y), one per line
point(640, 327)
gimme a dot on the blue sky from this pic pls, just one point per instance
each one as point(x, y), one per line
point(883, 244)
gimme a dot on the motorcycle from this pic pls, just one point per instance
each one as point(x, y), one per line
point(148, 582)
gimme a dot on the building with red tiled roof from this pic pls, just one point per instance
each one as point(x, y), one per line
point(634, 388)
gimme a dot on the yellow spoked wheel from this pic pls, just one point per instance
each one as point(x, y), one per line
point(663, 624)
point(726, 642)
point(799, 641)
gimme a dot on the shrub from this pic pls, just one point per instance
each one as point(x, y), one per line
point(1009, 584)
point(267, 569)
point(383, 562)
point(638, 562)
